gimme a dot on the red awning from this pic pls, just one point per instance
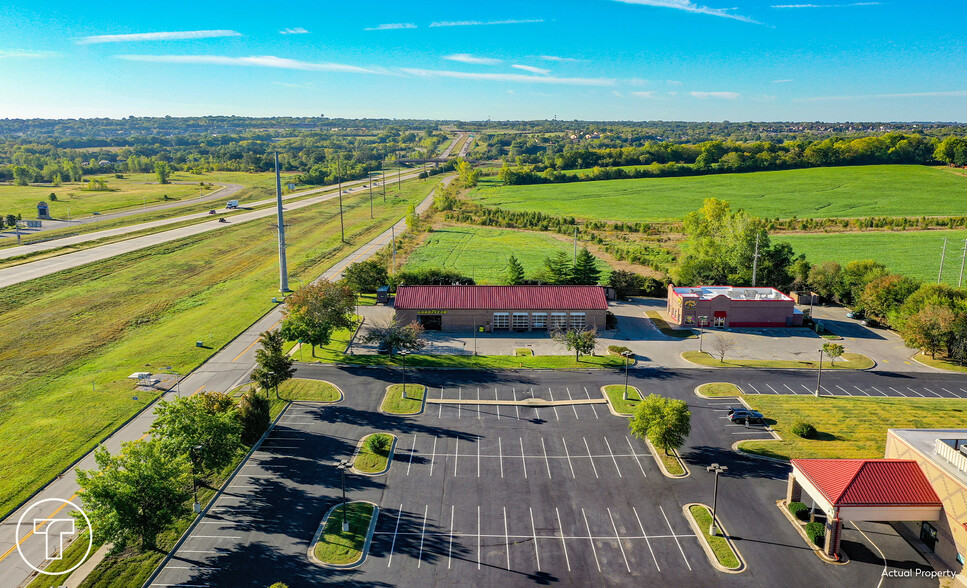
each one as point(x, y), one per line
point(720, 313)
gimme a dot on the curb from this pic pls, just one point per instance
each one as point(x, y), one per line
point(754, 367)
point(426, 392)
point(626, 415)
point(661, 464)
point(389, 456)
point(938, 370)
point(369, 538)
point(815, 548)
point(735, 448)
point(700, 395)
point(743, 566)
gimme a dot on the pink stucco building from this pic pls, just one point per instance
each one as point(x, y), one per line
point(727, 306)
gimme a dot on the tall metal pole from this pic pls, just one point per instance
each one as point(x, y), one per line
point(403, 355)
point(342, 226)
point(963, 259)
point(819, 378)
point(718, 469)
point(627, 355)
point(343, 466)
point(382, 178)
point(370, 195)
point(399, 172)
point(755, 259)
point(283, 268)
point(943, 253)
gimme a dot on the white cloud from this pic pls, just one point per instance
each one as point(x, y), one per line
point(392, 26)
point(951, 94)
point(782, 81)
point(532, 69)
point(252, 61)
point(505, 77)
point(827, 5)
point(26, 54)
point(718, 95)
point(689, 6)
point(650, 94)
point(163, 36)
point(560, 59)
point(617, 93)
point(477, 23)
point(472, 59)
point(294, 31)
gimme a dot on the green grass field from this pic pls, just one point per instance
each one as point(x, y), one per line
point(73, 337)
point(482, 252)
point(615, 394)
point(911, 253)
point(393, 401)
point(337, 547)
point(878, 190)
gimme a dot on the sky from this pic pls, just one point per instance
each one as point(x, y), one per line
point(694, 60)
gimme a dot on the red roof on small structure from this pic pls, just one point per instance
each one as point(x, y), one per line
point(501, 297)
point(862, 482)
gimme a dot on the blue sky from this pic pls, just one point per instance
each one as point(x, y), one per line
point(831, 60)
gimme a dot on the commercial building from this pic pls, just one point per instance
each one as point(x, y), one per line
point(727, 306)
point(502, 308)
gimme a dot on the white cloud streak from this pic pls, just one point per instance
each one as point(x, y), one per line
point(650, 94)
point(716, 95)
point(26, 54)
point(689, 6)
point(505, 77)
point(294, 31)
point(951, 94)
point(532, 69)
point(252, 61)
point(850, 5)
point(479, 23)
point(559, 59)
point(782, 81)
point(162, 36)
point(472, 59)
point(392, 26)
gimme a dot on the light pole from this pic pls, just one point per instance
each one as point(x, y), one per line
point(193, 455)
point(403, 354)
point(343, 466)
point(819, 378)
point(627, 355)
point(718, 469)
point(171, 372)
point(701, 333)
point(370, 174)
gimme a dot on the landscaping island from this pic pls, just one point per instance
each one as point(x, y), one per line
point(394, 403)
point(615, 395)
point(345, 549)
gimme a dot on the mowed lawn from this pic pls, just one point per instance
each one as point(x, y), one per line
point(911, 253)
point(876, 190)
point(69, 340)
point(482, 252)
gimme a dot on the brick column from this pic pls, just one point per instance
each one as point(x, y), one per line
point(834, 529)
point(793, 490)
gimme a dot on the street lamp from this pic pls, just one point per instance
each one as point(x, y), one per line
point(171, 372)
point(627, 355)
point(701, 332)
point(718, 469)
point(819, 378)
point(343, 466)
point(403, 354)
point(193, 455)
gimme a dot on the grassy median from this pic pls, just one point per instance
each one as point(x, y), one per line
point(720, 547)
point(394, 402)
point(309, 390)
point(615, 394)
point(720, 389)
point(849, 361)
point(339, 548)
point(374, 453)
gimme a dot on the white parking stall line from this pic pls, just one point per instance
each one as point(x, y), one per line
point(568, 456)
point(878, 390)
point(497, 406)
point(647, 542)
point(952, 395)
point(523, 460)
point(898, 393)
point(915, 392)
point(440, 412)
point(826, 390)
point(791, 391)
point(753, 388)
point(591, 539)
point(422, 536)
point(500, 454)
point(478, 537)
point(862, 390)
point(412, 453)
point(771, 388)
point(677, 542)
point(808, 390)
point(590, 457)
point(567, 560)
point(594, 410)
point(459, 397)
point(433, 456)
point(478, 457)
point(612, 456)
point(537, 411)
point(478, 400)
point(556, 416)
point(456, 454)
point(506, 538)
point(537, 553)
point(845, 391)
point(546, 461)
point(450, 551)
point(633, 454)
point(962, 390)
point(617, 537)
point(516, 407)
point(932, 392)
point(572, 400)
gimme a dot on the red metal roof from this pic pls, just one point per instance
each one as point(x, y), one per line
point(500, 297)
point(863, 482)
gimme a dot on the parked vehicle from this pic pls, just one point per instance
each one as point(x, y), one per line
point(231, 204)
point(745, 415)
point(855, 314)
point(223, 220)
point(211, 211)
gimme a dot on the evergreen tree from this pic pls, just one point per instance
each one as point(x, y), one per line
point(585, 271)
point(558, 268)
point(515, 272)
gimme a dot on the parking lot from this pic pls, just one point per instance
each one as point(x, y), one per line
point(499, 495)
point(862, 384)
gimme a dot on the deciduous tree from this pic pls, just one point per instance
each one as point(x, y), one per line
point(833, 350)
point(314, 311)
point(581, 341)
point(665, 422)
point(201, 420)
point(366, 276)
point(273, 366)
point(397, 336)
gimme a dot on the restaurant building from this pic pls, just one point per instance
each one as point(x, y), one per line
point(728, 306)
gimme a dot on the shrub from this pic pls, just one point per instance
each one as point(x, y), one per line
point(524, 352)
point(253, 414)
point(610, 321)
point(52, 197)
point(378, 443)
point(799, 510)
point(617, 349)
point(816, 533)
point(804, 430)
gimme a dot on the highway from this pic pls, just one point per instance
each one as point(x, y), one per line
point(226, 369)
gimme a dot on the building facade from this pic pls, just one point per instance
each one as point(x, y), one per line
point(727, 306)
point(502, 308)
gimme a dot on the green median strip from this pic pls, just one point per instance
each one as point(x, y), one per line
point(375, 452)
point(849, 361)
point(672, 463)
point(345, 548)
point(667, 329)
point(719, 389)
point(556, 362)
point(309, 390)
point(720, 547)
point(615, 394)
point(940, 363)
point(394, 403)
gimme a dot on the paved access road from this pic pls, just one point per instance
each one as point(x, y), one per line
point(489, 495)
point(223, 371)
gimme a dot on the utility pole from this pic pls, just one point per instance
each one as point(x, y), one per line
point(382, 178)
point(370, 194)
point(819, 378)
point(342, 226)
point(755, 259)
point(283, 269)
point(963, 259)
point(399, 172)
point(393, 231)
point(943, 253)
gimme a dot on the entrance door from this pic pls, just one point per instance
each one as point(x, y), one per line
point(719, 322)
point(928, 535)
point(431, 322)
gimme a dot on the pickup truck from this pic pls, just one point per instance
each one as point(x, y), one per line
point(231, 204)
